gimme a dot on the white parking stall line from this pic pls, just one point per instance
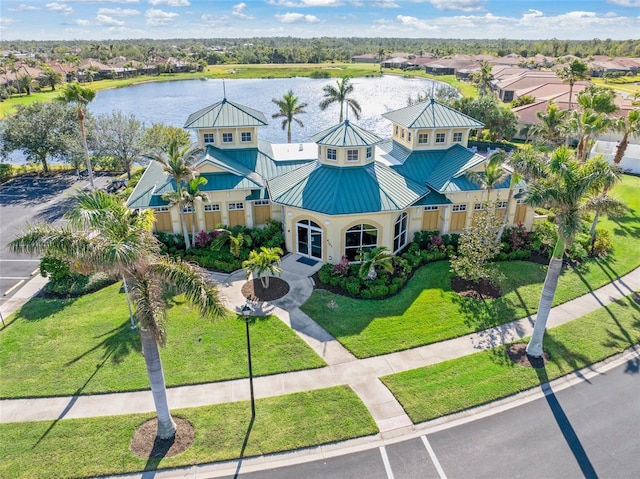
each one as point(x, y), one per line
point(385, 461)
point(433, 457)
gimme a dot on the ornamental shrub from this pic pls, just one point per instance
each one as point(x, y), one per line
point(602, 245)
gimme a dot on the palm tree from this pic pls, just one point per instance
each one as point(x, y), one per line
point(381, 54)
point(176, 163)
point(483, 77)
point(52, 78)
point(235, 241)
point(23, 83)
point(598, 99)
point(494, 173)
point(574, 71)
point(191, 194)
point(340, 95)
point(289, 107)
point(81, 97)
point(265, 263)
point(629, 125)
point(379, 257)
point(611, 175)
point(550, 126)
point(587, 125)
point(563, 184)
point(104, 235)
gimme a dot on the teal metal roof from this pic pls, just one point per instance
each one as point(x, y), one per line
point(432, 199)
point(437, 168)
point(144, 195)
point(431, 114)
point(346, 134)
point(225, 114)
point(334, 190)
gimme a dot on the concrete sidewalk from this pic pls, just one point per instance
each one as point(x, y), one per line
point(362, 375)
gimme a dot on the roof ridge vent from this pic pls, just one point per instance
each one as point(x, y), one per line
point(300, 147)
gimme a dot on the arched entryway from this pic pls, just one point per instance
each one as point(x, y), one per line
point(309, 239)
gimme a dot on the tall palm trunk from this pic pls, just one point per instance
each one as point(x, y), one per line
point(193, 225)
point(183, 223)
point(83, 134)
point(622, 148)
point(534, 348)
point(166, 426)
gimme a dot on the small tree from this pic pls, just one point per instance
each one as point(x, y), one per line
point(379, 257)
point(265, 263)
point(477, 246)
point(288, 108)
point(236, 241)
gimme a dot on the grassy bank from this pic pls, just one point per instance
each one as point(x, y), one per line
point(97, 352)
point(459, 384)
point(76, 448)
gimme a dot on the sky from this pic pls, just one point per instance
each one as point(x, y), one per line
point(158, 19)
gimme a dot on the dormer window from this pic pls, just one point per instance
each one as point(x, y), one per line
point(245, 137)
point(352, 155)
point(396, 130)
point(208, 138)
point(227, 138)
point(369, 152)
point(331, 154)
point(423, 138)
point(440, 137)
point(457, 137)
point(402, 134)
point(409, 136)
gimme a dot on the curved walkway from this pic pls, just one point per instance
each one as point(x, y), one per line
point(362, 375)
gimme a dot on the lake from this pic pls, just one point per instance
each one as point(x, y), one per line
point(173, 102)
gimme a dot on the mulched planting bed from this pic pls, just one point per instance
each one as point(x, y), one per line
point(518, 354)
point(483, 289)
point(145, 445)
point(254, 291)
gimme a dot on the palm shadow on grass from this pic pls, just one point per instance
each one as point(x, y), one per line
point(39, 308)
point(119, 342)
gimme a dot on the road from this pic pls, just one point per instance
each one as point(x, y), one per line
point(591, 429)
point(31, 200)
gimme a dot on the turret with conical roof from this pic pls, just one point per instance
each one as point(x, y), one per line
point(430, 125)
point(227, 124)
point(346, 144)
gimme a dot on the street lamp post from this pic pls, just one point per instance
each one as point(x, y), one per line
point(246, 311)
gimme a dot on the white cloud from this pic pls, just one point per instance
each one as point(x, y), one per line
point(119, 12)
point(240, 11)
point(59, 8)
point(413, 22)
point(159, 18)
point(305, 3)
point(461, 5)
point(82, 23)
point(107, 20)
point(101, 1)
point(24, 8)
point(171, 3)
point(215, 21)
point(625, 3)
point(297, 18)
point(385, 4)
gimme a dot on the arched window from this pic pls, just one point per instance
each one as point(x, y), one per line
point(400, 233)
point(359, 237)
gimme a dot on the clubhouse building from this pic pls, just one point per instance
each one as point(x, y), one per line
point(349, 189)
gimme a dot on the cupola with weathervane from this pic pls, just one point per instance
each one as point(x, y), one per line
point(346, 144)
point(430, 125)
point(226, 125)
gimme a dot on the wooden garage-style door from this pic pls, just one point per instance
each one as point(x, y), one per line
point(261, 212)
point(458, 217)
point(236, 214)
point(163, 220)
point(430, 218)
point(212, 216)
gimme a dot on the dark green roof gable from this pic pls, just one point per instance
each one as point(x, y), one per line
point(346, 134)
point(431, 114)
point(225, 114)
point(334, 190)
point(145, 194)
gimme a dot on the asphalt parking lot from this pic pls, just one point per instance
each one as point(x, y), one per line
point(28, 200)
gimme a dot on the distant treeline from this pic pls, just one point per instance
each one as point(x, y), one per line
point(310, 50)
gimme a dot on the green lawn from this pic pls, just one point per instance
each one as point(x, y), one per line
point(86, 346)
point(75, 448)
point(452, 386)
point(427, 310)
